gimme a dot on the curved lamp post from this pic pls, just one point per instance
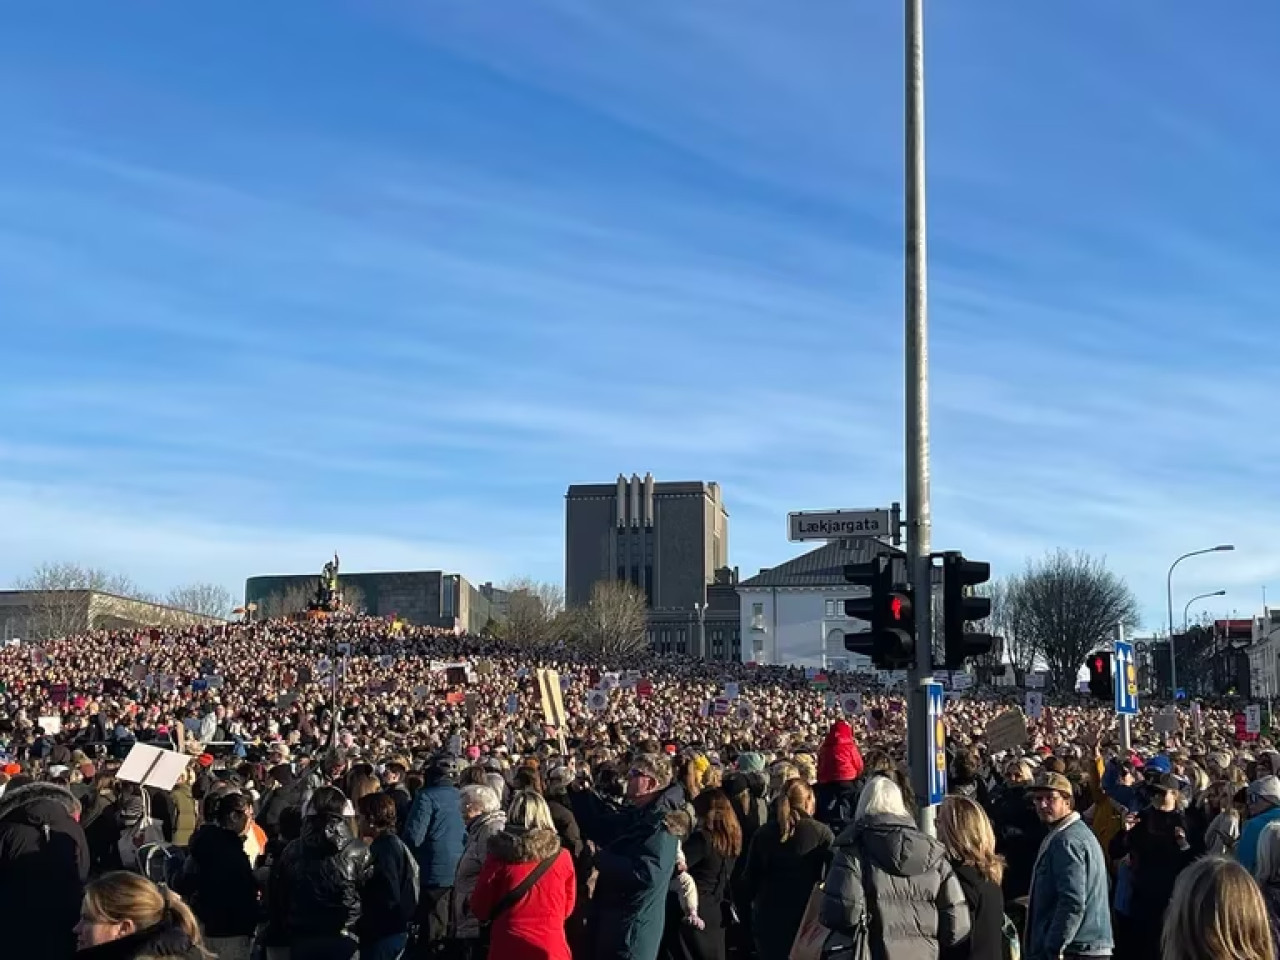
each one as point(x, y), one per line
point(1173, 656)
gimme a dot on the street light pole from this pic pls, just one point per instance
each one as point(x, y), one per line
point(1187, 609)
point(1173, 655)
point(701, 610)
point(918, 520)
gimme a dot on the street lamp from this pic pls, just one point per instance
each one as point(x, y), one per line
point(1187, 609)
point(1173, 657)
point(701, 610)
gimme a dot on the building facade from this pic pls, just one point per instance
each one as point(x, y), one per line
point(425, 597)
point(1264, 654)
point(793, 614)
point(666, 539)
point(713, 632)
point(34, 615)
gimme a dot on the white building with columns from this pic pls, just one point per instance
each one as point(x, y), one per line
point(793, 614)
point(1264, 655)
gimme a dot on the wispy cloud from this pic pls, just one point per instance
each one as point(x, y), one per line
point(465, 254)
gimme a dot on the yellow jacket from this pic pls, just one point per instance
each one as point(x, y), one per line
point(1108, 816)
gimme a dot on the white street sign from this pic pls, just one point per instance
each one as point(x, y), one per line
point(838, 524)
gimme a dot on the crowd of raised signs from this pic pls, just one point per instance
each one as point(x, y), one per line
point(257, 708)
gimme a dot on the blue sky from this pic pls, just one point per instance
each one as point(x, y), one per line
point(386, 277)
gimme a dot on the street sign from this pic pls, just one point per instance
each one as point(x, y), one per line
point(839, 524)
point(937, 743)
point(1125, 679)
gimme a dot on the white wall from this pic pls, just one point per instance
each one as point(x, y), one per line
point(795, 624)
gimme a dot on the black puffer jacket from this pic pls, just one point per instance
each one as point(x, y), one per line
point(44, 863)
point(916, 899)
point(315, 886)
point(163, 940)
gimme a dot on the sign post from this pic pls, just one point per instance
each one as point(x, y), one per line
point(839, 524)
point(937, 742)
point(1125, 680)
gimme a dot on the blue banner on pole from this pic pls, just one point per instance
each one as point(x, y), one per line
point(937, 743)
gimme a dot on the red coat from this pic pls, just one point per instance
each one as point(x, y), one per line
point(534, 928)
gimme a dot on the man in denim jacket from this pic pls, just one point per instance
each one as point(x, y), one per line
point(1069, 915)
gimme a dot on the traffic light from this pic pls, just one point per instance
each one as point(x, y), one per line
point(891, 641)
point(1100, 684)
point(960, 607)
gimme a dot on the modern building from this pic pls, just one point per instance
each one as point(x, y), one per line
point(793, 614)
point(711, 632)
point(425, 597)
point(33, 615)
point(666, 539)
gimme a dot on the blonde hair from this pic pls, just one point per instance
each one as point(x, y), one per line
point(965, 830)
point(1217, 913)
point(528, 811)
point(119, 896)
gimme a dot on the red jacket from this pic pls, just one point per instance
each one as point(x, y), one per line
point(532, 929)
point(839, 759)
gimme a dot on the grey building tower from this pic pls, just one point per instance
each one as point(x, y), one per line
point(667, 539)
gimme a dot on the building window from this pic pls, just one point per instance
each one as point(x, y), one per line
point(831, 609)
point(757, 617)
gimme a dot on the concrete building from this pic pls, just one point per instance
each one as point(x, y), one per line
point(1264, 654)
point(424, 597)
point(793, 614)
point(713, 632)
point(667, 539)
point(33, 615)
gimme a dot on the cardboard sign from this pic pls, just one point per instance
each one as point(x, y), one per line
point(731, 690)
point(744, 712)
point(597, 701)
point(1252, 719)
point(152, 767)
point(52, 726)
point(720, 706)
point(1007, 731)
point(454, 697)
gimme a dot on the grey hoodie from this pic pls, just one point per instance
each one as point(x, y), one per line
point(918, 904)
point(479, 832)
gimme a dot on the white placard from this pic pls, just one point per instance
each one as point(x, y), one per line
point(731, 690)
point(1035, 704)
point(1253, 718)
point(152, 767)
point(597, 701)
point(52, 726)
point(851, 703)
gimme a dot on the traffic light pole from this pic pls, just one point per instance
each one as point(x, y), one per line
point(1126, 739)
point(919, 523)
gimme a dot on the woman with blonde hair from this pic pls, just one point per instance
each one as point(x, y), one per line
point(1217, 913)
point(784, 863)
point(970, 842)
point(127, 917)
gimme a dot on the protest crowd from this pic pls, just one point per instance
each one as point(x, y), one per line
point(352, 787)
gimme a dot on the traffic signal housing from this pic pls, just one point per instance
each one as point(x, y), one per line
point(891, 640)
point(1100, 681)
point(961, 606)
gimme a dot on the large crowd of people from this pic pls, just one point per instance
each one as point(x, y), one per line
point(355, 787)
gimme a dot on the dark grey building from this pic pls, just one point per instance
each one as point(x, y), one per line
point(712, 632)
point(667, 539)
point(425, 597)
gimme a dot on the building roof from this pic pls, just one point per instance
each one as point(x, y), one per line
point(821, 567)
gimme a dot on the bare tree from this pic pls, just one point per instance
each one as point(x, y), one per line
point(613, 622)
point(60, 605)
point(535, 613)
point(205, 599)
point(288, 601)
point(1020, 647)
point(1068, 605)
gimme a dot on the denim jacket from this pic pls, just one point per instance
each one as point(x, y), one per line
point(1070, 911)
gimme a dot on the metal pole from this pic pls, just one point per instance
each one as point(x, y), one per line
point(1173, 656)
point(919, 523)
